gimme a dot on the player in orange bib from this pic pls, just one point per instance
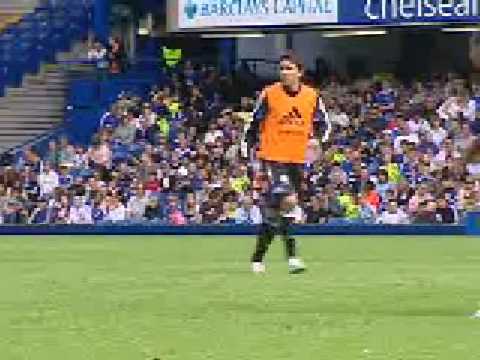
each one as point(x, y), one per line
point(286, 116)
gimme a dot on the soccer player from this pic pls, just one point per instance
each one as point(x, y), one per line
point(286, 116)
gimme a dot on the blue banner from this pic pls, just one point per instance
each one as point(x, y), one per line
point(392, 12)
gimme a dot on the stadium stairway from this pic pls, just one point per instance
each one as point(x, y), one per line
point(35, 37)
point(38, 106)
point(12, 11)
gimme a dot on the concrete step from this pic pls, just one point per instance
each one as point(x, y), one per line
point(8, 18)
point(19, 3)
point(36, 84)
point(46, 87)
point(46, 76)
point(42, 81)
point(60, 78)
point(19, 132)
point(19, 106)
point(15, 10)
point(25, 99)
point(37, 113)
point(6, 126)
point(36, 92)
point(52, 75)
point(5, 119)
point(82, 68)
point(16, 100)
point(50, 67)
point(4, 23)
point(16, 139)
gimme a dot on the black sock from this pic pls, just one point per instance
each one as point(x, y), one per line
point(264, 239)
point(289, 241)
point(290, 247)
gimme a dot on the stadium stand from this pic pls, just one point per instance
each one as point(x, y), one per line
point(34, 88)
point(172, 154)
point(11, 12)
point(170, 149)
point(8, 19)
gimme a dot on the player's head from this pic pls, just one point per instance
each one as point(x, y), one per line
point(291, 69)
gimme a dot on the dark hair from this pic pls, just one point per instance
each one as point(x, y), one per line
point(293, 58)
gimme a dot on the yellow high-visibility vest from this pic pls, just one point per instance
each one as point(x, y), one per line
point(172, 56)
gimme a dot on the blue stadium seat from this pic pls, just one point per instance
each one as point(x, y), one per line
point(38, 36)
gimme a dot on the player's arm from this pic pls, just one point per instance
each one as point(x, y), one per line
point(259, 114)
point(322, 126)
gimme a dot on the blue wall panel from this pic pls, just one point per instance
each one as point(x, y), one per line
point(227, 230)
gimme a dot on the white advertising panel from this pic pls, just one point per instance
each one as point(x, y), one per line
point(198, 14)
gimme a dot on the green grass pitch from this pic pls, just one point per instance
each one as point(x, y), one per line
point(194, 298)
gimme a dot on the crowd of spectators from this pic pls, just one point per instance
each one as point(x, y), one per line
point(111, 58)
point(177, 157)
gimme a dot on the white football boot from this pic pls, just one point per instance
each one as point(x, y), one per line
point(476, 315)
point(296, 266)
point(258, 267)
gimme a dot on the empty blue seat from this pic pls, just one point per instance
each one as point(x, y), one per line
point(51, 28)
